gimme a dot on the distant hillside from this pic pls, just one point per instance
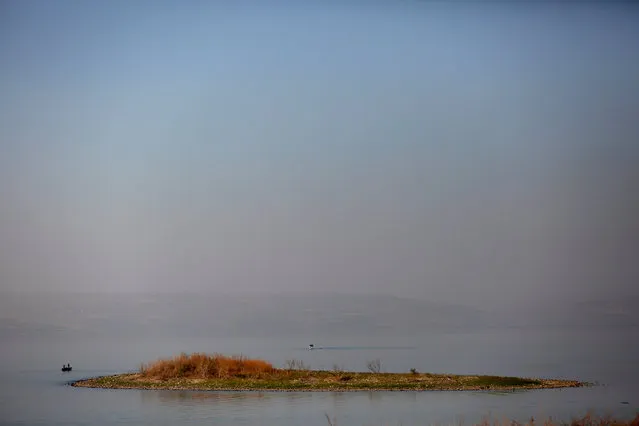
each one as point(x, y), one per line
point(610, 312)
point(286, 314)
point(237, 315)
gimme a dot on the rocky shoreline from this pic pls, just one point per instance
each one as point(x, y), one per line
point(323, 381)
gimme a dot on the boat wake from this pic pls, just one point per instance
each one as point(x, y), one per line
point(359, 348)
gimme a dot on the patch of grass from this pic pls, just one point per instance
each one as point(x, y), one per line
point(200, 365)
point(499, 381)
point(591, 420)
point(587, 420)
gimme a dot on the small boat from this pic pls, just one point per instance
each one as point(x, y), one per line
point(311, 347)
point(67, 367)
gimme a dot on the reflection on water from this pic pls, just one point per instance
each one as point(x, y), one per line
point(338, 399)
point(180, 397)
point(374, 397)
point(223, 397)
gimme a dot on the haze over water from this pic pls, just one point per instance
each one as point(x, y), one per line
point(106, 334)
point(180, 176)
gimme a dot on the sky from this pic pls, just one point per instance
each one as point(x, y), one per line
point(460, 151)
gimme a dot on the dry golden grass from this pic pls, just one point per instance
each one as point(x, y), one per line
point(205, 366)
point(587, 420)
point(590, 420)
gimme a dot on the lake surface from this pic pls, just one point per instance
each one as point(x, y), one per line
point(34, 391)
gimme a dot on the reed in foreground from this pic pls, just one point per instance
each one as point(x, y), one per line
point(200, 371)
point(587, 420)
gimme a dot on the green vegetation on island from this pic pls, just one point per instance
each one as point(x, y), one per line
point(219, 372)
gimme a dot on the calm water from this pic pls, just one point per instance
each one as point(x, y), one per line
point(34, 391)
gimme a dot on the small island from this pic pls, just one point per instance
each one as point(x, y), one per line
point(217, 372)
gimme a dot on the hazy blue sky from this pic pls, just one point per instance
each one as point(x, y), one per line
point(452, 150)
